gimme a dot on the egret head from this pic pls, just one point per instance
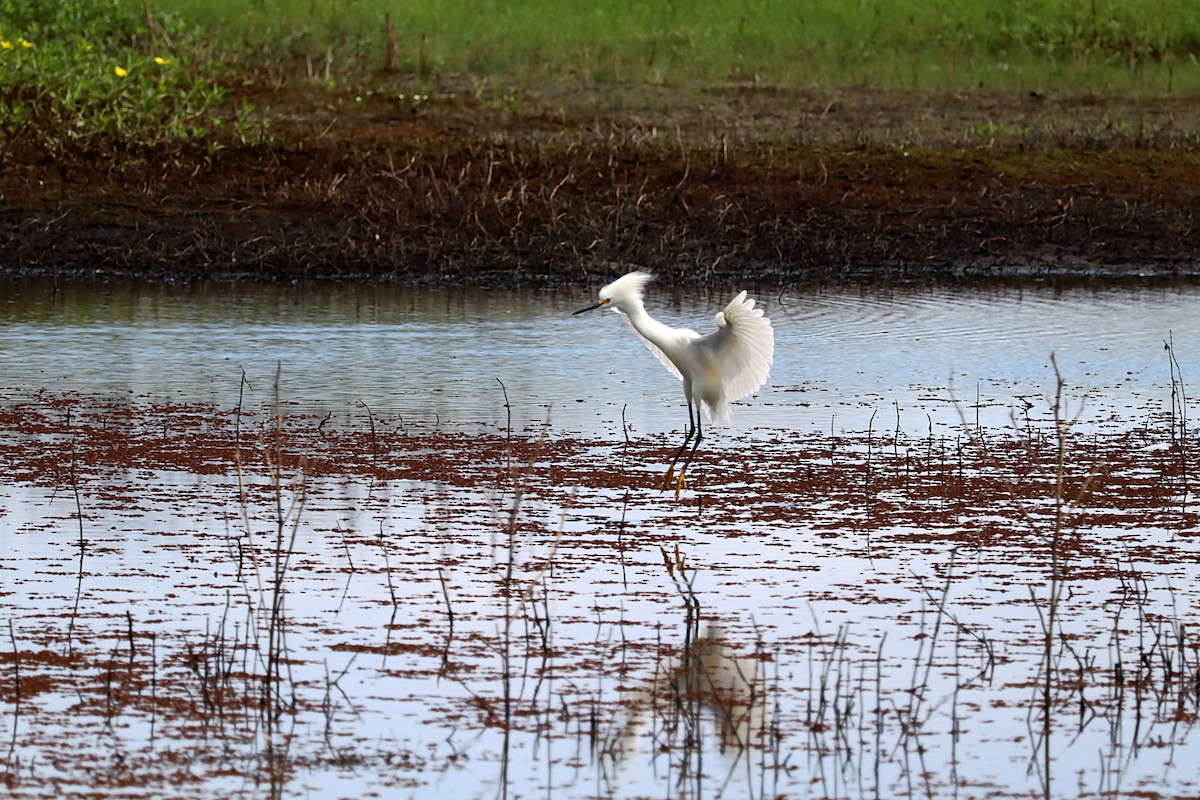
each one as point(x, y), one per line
point(623, 294)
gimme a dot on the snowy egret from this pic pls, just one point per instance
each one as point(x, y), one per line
point(716, 369)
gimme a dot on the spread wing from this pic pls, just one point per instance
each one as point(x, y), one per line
point(741, 349)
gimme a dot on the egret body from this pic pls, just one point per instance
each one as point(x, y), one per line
point(717, 368)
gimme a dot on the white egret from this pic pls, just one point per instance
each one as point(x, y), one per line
point(717, 369)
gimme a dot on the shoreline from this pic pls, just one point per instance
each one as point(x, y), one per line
point(560, 188)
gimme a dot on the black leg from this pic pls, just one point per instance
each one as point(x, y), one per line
point(695, 446)
point(691, 430)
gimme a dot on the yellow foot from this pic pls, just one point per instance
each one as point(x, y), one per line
point(670, 479)
point(680, 485)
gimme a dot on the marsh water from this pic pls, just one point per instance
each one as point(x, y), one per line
point(867, 621)
point(441, 355)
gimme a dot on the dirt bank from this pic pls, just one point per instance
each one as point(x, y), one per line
point(701, 186)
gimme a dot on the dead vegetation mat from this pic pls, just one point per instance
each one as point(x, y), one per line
point(556, 186)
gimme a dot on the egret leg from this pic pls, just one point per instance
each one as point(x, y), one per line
point(696, 444)
point(691, 430)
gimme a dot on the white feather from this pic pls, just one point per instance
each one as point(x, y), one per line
point(742, 350)
point(717, 369)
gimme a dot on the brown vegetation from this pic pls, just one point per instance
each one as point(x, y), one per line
point(701, 186)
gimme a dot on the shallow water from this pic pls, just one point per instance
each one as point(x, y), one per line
point(441, 355)
point(867, 599)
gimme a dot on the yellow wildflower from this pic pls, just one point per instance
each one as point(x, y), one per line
point(120, 71)
point(162, 62)
point(6, 44)
point(25, 42)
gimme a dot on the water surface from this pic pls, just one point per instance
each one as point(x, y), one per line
point(440, 356)
point(867, 577)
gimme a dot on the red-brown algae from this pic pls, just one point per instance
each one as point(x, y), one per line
point(400, 595)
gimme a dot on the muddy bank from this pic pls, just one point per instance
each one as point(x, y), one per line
point(702, 187)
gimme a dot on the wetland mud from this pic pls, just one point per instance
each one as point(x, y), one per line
point(702, 186)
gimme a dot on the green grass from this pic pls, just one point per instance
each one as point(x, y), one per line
point(1100, 44)
point(93, 74)
point(122, 73)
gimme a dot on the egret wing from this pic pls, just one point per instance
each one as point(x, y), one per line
point(741, 349)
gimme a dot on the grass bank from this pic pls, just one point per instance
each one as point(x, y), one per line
point(81, 75)
point(498, 143)
point(1098, 44)
point(105, 75)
